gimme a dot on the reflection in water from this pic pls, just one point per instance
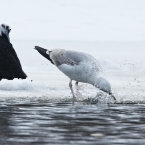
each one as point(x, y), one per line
point(63, 123)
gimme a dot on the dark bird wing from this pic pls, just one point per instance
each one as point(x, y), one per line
point(10, 66)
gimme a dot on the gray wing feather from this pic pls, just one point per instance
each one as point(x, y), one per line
point(71, 58)
point(60, 57)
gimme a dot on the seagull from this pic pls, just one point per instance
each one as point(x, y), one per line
point(10, 66)
point(79, 67)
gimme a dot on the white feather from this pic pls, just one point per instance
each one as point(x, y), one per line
point(84, 68)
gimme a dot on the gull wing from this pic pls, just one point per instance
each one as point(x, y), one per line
point(60, 56)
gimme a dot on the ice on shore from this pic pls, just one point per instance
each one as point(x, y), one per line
point(123, 67)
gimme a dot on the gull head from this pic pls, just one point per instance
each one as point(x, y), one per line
point(4, 31)
point(104, 85)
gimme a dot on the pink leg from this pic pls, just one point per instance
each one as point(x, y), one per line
point(70, 85)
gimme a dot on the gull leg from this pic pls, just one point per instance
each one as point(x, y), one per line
point(76, 84)
point(77, 89)
point(70, 85)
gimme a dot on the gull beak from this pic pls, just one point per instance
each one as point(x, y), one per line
point(112, 96)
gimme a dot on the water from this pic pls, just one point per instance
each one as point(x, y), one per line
point(42, 123)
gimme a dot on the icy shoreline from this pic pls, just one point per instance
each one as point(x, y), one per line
point(122, 62)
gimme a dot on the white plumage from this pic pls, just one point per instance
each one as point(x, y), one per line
point(78, 66)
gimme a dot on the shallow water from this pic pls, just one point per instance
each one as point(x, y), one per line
point(39, 123)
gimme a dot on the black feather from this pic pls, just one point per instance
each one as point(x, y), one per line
point(43, 51)
point(10, 66)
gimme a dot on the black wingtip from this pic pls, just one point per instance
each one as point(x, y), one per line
point(43, 51)
point(38, 48)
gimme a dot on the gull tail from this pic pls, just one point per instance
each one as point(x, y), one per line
point(44, 53)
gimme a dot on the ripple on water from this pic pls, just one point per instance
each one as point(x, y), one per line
point(27, 122)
